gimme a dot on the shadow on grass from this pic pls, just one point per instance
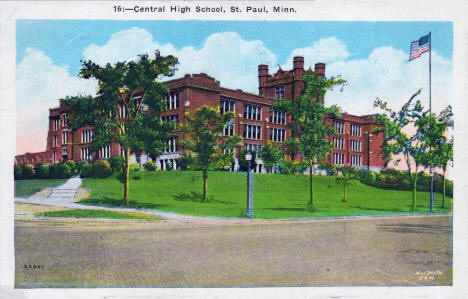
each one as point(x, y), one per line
point(112, 202)
point(381, 209)
point(197, 197)
point(287, 209)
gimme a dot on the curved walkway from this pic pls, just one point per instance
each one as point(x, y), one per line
point(63, 196)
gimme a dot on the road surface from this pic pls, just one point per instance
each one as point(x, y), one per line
point(401, 250)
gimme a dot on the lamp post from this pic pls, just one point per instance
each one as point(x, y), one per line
point(249, 158)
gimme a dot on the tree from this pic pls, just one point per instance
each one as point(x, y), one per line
point(395, 125)
point(127, 106)
point(439, 149)
point(308, 114)
point(345, 179)
point(205, 138)
point(271, 155)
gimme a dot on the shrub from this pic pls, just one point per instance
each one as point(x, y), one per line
point(135, 166)
point(53, 170)
point(28, 171)
point(187, 161)
point(86, 170)
point(18, 172)
point(116, 163)
point(287, 167)
point(42, 171)
point(73, 166)
point(101, 169)
point(150, 166)
point(64, 171)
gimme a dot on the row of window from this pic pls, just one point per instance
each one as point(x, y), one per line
point(338, 159)
point(173, 100)
point(355, 129)
point(252, 112)
point(355, 145)
point(277, 135)
point(252, 131)
point(87, 135)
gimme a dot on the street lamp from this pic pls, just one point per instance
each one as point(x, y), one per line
point(249, 157)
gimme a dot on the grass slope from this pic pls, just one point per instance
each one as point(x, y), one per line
point(275, 195)
point(98, 214)
point(29, 187)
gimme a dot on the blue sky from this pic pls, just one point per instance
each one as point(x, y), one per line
point(371, 56)
point(65, 41)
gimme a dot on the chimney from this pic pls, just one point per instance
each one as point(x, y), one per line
point(320, 69)
point(262, 78)
point(298, 62)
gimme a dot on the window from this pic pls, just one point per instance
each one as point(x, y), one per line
point(338, 142)
point(86, 153)
point(226, 105)
point(278, 117)
point(229, 128)
point(64, 137)
point(355, 145)
point(251, 147)
point(279, 92)
point(55, 140)
point(252, 131)
point(64, 120)
point(105, 151)
point(338, 158)
point(123, 113)
point(277, 134)
point(173, 100)
point(87, 135)
point(356, 160)
point(171, 145)
point(339, 127)
point(56, 124)
point(355, 130)
point(252, 112)
point(64, 151)
point(54, 158)
point(174, 118)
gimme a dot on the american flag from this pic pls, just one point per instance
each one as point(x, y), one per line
point(420, 46)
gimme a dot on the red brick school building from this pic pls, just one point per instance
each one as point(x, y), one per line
point(255, 121)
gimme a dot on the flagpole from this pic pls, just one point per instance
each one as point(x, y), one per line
point(431, 200)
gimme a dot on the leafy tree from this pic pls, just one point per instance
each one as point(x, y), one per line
point(439, 148)
point(345, 179)
point(307, 114)
point(291, 145)
point(271, 155)
point(395, 125)
point(205, 139)
point(127, 106)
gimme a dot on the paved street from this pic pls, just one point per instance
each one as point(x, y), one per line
point(414, 250)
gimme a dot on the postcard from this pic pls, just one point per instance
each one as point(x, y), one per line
point(233, 149)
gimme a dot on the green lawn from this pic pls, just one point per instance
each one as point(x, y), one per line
point(29, 187)
point(98, 214)
point(275, 195)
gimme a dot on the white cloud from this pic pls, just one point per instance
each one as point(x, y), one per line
point(39, 85)
point(324, 50)
point(225, 56)
point(125, 44)
point(228, 58)
point(387, 74)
